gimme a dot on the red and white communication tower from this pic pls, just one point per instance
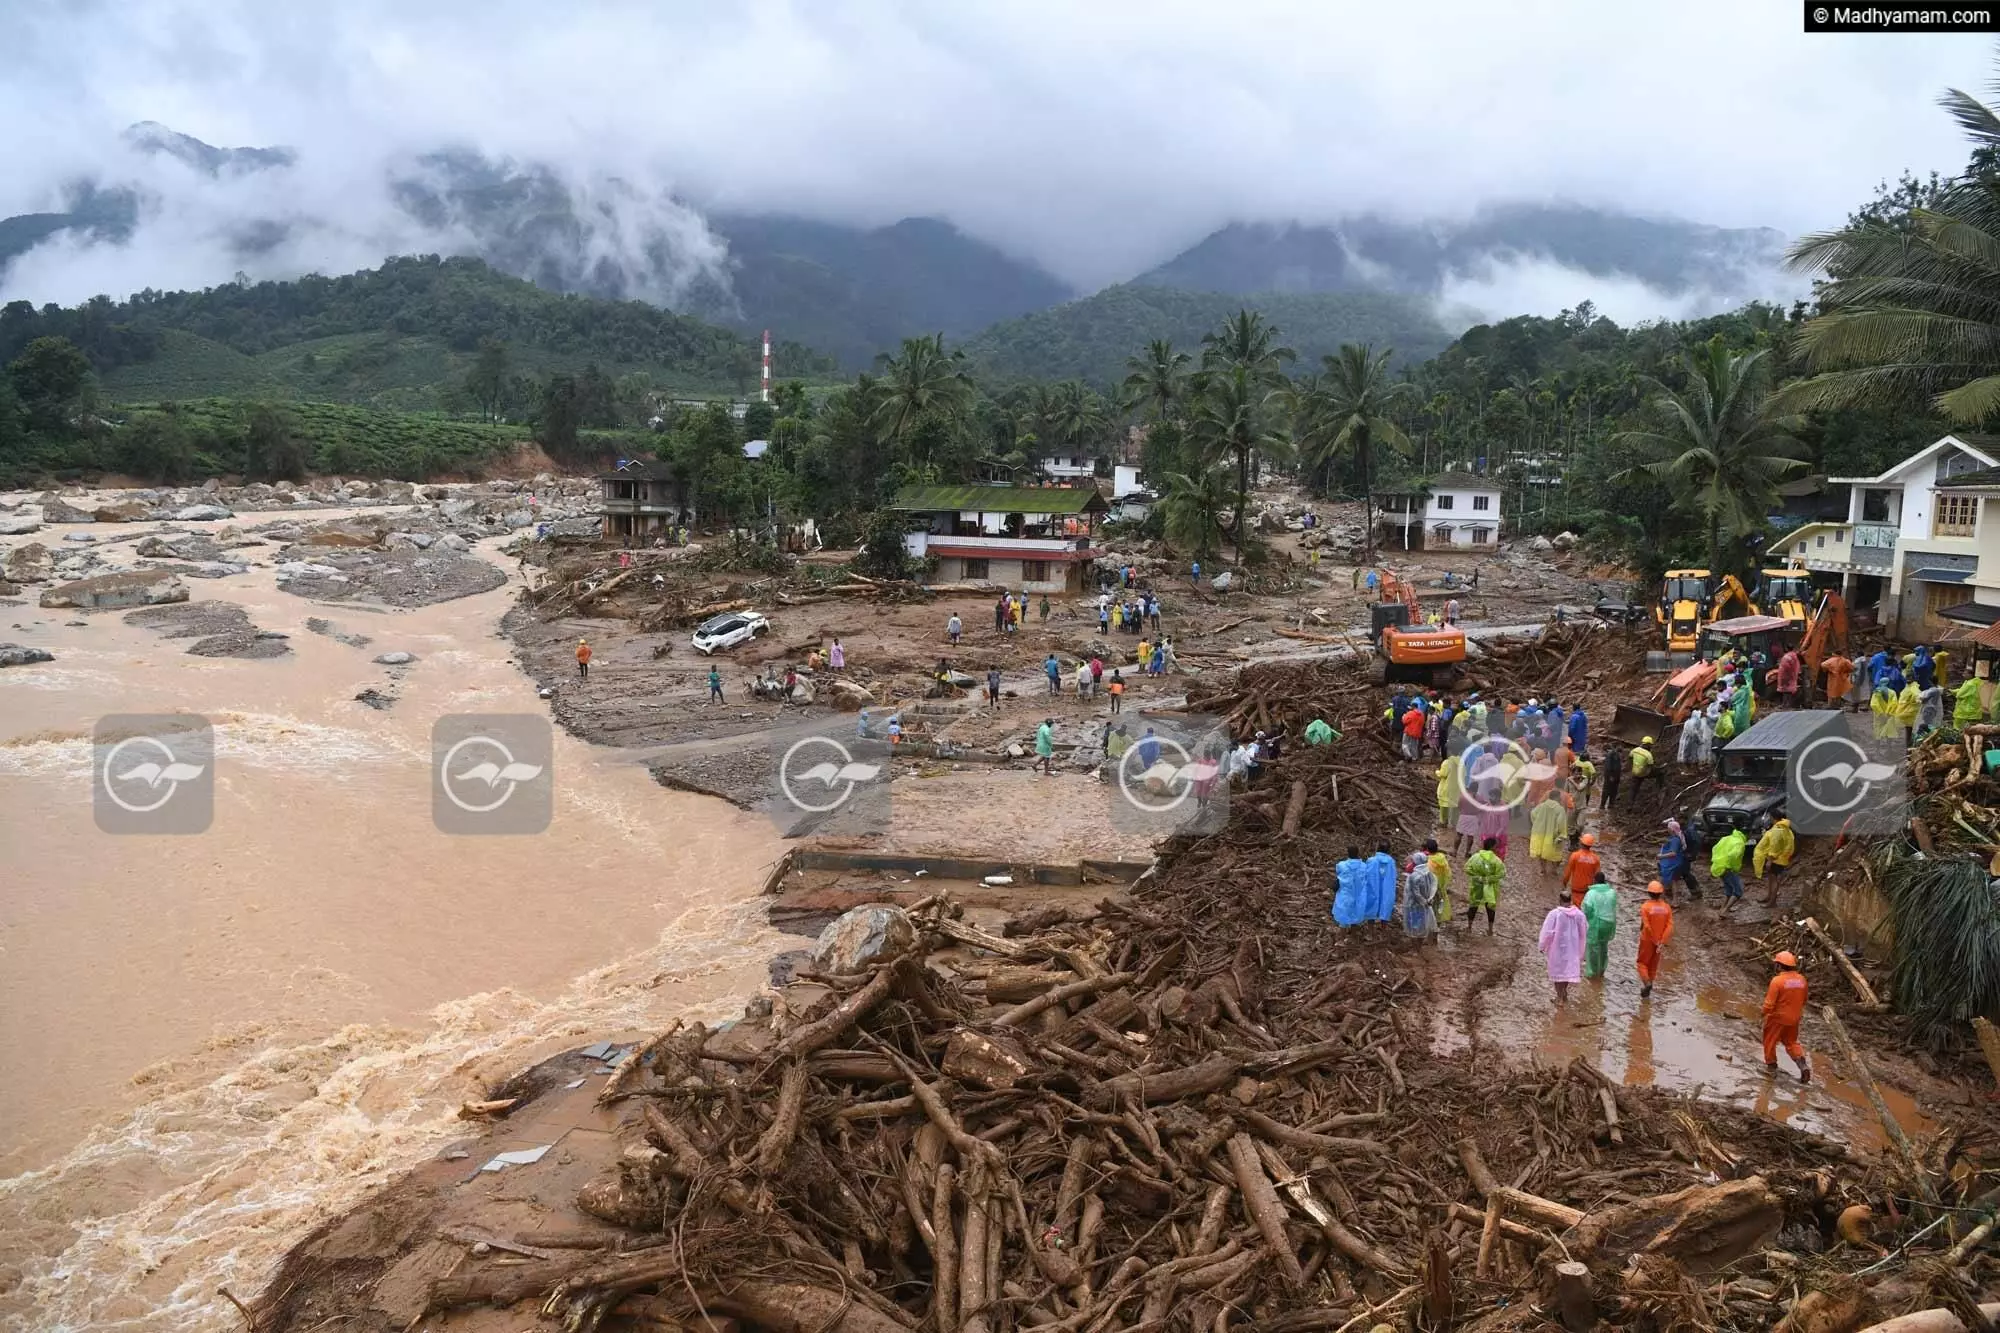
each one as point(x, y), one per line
point(767, 365)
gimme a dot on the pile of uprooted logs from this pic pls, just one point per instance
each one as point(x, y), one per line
point(1117, 1125)
point(1573, 663)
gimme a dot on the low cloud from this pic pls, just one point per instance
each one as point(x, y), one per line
point(1508, 285)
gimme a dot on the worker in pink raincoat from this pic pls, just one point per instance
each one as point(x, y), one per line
point(1564, 931)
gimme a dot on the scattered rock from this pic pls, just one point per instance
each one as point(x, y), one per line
point(126, 511)
point(1541, 545)
point(27, 563)
point(397, 658)
point(359, 531)
point(78, 537)
point(451, 541)
point(16, 525)
point(390, 577)
point(855, 939)
point(184, 547)
point(251, 644)
point(1223, 581)
point(56, 510)
point(139, 587)
point(376, 700)
point(9, 589)
point(14, 654)
point(847, 696)
point(326, 627)
point(202, 514)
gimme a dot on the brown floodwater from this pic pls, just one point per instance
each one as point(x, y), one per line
point(212, 1043)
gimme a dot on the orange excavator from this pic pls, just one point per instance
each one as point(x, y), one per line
point(1826, 633)
point(1405, 648)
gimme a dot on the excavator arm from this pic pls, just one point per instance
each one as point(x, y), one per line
point(1826, 632)
point(1731, 599)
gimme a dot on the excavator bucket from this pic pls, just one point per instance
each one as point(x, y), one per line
point(1632, 723)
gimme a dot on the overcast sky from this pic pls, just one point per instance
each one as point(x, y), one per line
point(1097, 138)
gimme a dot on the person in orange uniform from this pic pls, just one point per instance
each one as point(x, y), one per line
point(1784, 1005)
point(1656, 927)
point(1836, 674)
point(582, 659)
point(1580, 870)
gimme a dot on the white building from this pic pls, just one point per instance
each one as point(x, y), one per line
point(1125, 479)
point(1905, 545)
point(1454, 511)
point(1034, 538)
point(1067, 467)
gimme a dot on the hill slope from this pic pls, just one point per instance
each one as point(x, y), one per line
point(1380, 254)
point(1091, 339)
point(399, 336)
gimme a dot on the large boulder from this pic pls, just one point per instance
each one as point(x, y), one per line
point(451, 541)
point(27, 563)
point(201, 514)
point(18, 525)
point(854, 941)
point(363, 530)
point(14, 654)
point(1565, 541)
point(106, 592)
point(845, 695)
point(55, 509)
point(122, 511)
point(1541, 545)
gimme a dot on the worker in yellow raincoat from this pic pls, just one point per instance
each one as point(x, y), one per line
point(1450, 785)
point(1908, 704)
point(1440, 871)
point(1774, 856)
point(1548, 837)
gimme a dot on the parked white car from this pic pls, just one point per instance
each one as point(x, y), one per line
point(729, 629)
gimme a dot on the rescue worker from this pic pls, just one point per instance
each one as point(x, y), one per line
point(1441, 869)
point(1837, 675)
point(1656, 927)
point(1965, 709)
point(582, 660)
point(1548, 822)
point(1450, 786)
point(1382, 884)
point(1677, 860)
point(1561, 941)
point(1774, 854)
point(1614, 770)
point(1351, 878)
point(1784, 1005)
point(1582, 779)
point(1483, 873)
point(1319, 733)
point(1787, 678)
point(1725, 862)
point(1420, 892)
point(1581, 870)
point(1600, 911)
point(1908, 704)
point(1413, 720)
point(1645, 768)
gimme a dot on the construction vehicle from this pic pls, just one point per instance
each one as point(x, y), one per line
point(1732, 600)
point(1407, 650)
point(1683, 603)
point(1787, 593)
point(1681, 693)
point(1826, 634)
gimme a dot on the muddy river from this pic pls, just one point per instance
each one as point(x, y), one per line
point(213, 1042)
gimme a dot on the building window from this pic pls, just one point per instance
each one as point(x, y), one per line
point(975, 569)
point(1956, 516)
point(1034, 571)
point(1482, 502)
point(1444, 501)
point(1801, 548)
point(1480, 536)
point(1819, 543)
point(1937, 596)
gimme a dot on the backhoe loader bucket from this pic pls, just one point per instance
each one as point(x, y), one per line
point(1632, 723)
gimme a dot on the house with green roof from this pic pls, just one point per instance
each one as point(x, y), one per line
point(1030, 538)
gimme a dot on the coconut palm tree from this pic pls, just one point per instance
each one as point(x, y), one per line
point(1156, 381)
point(1191, 509)
point(1348, 410)
point(1911, 307)
point(1227, 425)
point(1079, 419)
point(1724, 441)
point(1246, 341)
point(924, 382)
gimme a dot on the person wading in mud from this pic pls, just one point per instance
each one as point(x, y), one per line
point(1784, 1006)
point(582, 659)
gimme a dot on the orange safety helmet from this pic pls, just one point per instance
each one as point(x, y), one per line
point(1785, 958)
point(1654, 886)
point(1589, 840)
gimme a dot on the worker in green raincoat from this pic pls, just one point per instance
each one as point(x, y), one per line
point(1742, 709)
point(1600, 910)
point(1965, 709)
point(1483, 872)
point(1319, 733)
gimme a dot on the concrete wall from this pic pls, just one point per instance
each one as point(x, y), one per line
point(1853, 911)
point(1007, 574)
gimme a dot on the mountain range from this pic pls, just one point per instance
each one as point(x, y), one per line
point(853, 292)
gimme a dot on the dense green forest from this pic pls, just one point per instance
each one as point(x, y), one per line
point(401, 335)
point(1089, 340)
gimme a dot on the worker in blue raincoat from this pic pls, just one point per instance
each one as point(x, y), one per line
point(1382, 878)
point(1352, 879)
